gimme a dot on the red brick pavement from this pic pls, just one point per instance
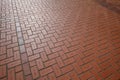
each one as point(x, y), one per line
point(58, 40)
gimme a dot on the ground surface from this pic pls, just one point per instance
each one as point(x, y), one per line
point(59, 40)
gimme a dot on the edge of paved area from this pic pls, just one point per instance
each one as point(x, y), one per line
point(110, 6)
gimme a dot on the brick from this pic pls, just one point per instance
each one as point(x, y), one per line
point(3, 35)
point(11, 74)
point(24, 58)
point(34, 46)
point(96, 66)
point(17, 24)
point(29, 32)
point(74, 53)
point(78, 60)
point(26, 69)
point(2, 57)
point(18, 29)
point(51, 76)
point(16, 55)
point(50, 62)
point(37, 40)
point(13, 64)
point(53, 39)
point(95, 74)
point(69, 61)
point(44, 32)
point(74, 76)
point(88, 58)
point(33, 36)
point(106, 72)
point(45, 40)
point(47, 49)
point(53, 55)
point(85, 75)
point(59, 62)
point(41, 36)
point(29, 41)
point(39, 50)
point(22, 49)
point(19, 34)
point(56, 70)
point(43, 56)
point(3, 71)
point(43, 78)
point(56, 49)
point(16, 48)
point(8, 37)
point(46, 71)
point(66, 69)
point(77, 68)
point(12, 45)
point(5, 61)
point(50, 43)
point(39, 64)
point(18, 68)
point(29, 77)
point(14, 39)
point(9, 52)
point(20, 76)
point(64, 77)
point(2, 50)
point(59, 44)
point(65, 49)
point(62, 54)
point(35, 72)
point(67, 44)
point(20, 41)
point(33, 57)
point(27, 45)
point(29, 51)
point(86, 66)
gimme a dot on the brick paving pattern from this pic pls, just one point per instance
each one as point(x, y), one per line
point(58, 40)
